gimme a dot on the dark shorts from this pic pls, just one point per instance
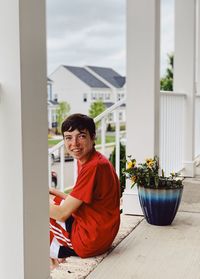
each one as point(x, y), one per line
point(65, 251)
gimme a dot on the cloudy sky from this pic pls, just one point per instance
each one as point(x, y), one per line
point(91, 32)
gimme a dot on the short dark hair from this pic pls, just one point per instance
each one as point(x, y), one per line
point(80, 122)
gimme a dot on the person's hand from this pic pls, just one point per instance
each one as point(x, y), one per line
point(52, 190)
point(57, 193)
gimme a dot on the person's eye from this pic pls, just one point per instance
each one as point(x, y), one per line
point(67, 138)
point(82, 136)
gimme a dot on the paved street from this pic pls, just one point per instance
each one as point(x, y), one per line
point(68, 173)
point(69, 170)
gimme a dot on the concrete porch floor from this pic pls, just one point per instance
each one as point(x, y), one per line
point(152, 252)
point(143, 251)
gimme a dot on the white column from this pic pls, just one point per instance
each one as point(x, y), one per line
point(24, 239)
point(197, 80)
point(184, 73)
point(197, 99)
point(142, 115)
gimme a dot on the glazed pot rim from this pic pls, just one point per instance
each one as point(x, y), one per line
point(161, 187)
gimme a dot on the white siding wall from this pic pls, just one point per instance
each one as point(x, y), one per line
point(70, 89)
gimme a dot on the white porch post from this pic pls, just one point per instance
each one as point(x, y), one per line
point(24, 239)
point(197, 48)
point(184, 73)
point(143, 51)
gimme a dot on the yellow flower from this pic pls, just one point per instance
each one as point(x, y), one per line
point(131, 164)
point(149, 162)
point(133, 178)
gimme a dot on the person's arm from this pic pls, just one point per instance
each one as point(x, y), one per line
point(65, 210)
point(57, 193)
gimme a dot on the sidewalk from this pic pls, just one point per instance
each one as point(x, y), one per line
point(152, 252)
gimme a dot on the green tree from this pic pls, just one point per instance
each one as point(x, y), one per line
point(166, 83)
point(96, 108)
point(61, 113)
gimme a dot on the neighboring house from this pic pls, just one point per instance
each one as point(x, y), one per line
point(80, 86)
point(52, 118)
point(52, 106)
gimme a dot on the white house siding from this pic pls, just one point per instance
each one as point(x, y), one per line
point(67, 87)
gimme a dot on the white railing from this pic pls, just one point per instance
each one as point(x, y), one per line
point(171, 131)
point(171, 135)
point(59, 148)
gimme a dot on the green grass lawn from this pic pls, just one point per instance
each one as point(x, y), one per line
point(52, 142)
point(108, 139)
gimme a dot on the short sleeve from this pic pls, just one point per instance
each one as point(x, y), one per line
point(84, 187)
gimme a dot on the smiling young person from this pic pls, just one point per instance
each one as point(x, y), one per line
point(86, 221)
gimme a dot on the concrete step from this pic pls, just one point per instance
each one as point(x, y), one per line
point(191, 195)
point(197, 171)
point(76, 268)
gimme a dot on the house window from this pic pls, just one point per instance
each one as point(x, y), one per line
point(107, 96)
point(110, 117)
point(85, 97)
point(54, 115)
point(56, 97)
point(93, 96)
point(120, 96)
point(100, 96)
point(120, 116)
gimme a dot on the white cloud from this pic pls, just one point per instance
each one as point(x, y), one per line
point(92, 32)
point(86, 32)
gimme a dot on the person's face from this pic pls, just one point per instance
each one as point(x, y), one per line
point(79, 144)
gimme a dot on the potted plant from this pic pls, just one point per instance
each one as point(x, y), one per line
point(159, 195)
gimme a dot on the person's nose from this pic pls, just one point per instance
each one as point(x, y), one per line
point(75, 141)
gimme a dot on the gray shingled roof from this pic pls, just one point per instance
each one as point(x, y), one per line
point(86, 77)
point(109, 75)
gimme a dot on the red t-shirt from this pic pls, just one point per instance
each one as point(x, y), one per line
point(97, 219)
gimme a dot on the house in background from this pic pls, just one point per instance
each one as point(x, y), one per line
point(52, 114)
point(81, 86)
point(52, 106)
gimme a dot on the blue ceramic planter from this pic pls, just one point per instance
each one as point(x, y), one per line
point(159, 205)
